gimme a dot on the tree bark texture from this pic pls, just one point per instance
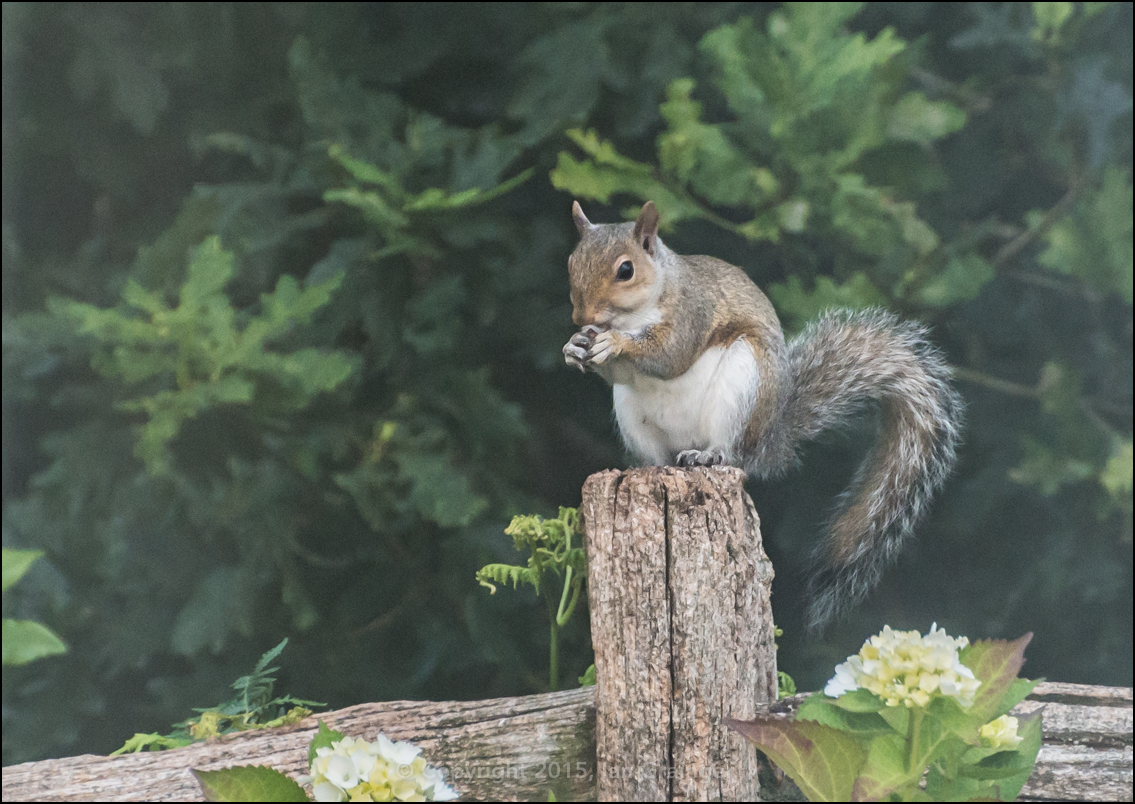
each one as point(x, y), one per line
point(679, 587)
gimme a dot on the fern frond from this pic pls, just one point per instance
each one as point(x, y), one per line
point(492, 574)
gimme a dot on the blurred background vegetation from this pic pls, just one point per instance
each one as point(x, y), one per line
point(284, 291)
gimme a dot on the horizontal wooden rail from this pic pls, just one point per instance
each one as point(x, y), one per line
point(517, 749)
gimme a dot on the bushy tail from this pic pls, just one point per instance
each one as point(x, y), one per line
point(840, 364)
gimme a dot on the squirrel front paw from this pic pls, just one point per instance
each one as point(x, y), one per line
point(606, 344)
point(576, 349)
point(697, 457)
point(592, 346)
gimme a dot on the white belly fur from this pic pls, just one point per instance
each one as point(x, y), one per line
point(705, 408)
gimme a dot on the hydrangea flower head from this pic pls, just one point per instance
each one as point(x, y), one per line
point(1001, 734)
point(904, 667)
point(356, 770)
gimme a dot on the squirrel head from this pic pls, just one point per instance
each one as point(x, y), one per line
point(614, 270)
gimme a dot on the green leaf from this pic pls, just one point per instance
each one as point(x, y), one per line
point(16, 563)
point(885, 770)
point(821, 709)
point(220, 604)
point(961, 280)
point(897, 717)
point(322, 739)
point(1020, 689)
point(150, 742)
point(249, 783)
point(699, 154)
point(954, 719)
point(210, 269)
point(1094, 243)
point(435, 199)
point(492, 574)
point(795, 303)
point(935, 741)
point(365, 171)
point(821, 760)
point(859, 700)
point(917, 119)
point(1047, 469)
point(1116, 476)
point(806, 63)
point(588, 677)
point(941, 787)
point(439, 491)
point(609, 173)
point(25, 641)
point(373, 206)
point(1050, 18)
point(996, 664)
point(792, 215)
point(994, 765)
point(316, 370)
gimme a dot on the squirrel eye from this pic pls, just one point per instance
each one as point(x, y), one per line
point(625, 272)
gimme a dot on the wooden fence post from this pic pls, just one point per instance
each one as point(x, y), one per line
point(678, 584)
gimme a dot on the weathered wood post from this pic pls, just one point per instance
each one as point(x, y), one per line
point(678, 584)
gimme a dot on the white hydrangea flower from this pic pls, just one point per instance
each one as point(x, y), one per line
point(904, 667)
point(845, 677)
point(325, 791)
point(400, 753)
point(341, 772)
point(1001, 734)
point(351, 769)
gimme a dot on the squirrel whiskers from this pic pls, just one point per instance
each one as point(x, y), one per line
point(702, 375)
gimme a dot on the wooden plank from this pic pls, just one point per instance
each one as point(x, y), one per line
point(1086, 754)
point(517, 749)
point(510, 749)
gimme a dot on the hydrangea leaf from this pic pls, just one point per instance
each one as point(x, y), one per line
point(996, 664)
point(821, 760)
point(249, 783)
point(322, 739)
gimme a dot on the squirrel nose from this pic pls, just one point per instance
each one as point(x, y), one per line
point(580, 318)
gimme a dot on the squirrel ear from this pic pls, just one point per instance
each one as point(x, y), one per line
point(646, 227)
point(581, 222)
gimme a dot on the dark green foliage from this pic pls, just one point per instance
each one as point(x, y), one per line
point(285, 289)
point(195, 358)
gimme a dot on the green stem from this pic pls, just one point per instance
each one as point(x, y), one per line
point(912, 751)
point(561, 617)
point(554, 659)
point(574, 599)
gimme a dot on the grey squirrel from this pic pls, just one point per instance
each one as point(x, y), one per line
point(702, 375)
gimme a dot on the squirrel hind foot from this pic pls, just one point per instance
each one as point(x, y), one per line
point(697, 457)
